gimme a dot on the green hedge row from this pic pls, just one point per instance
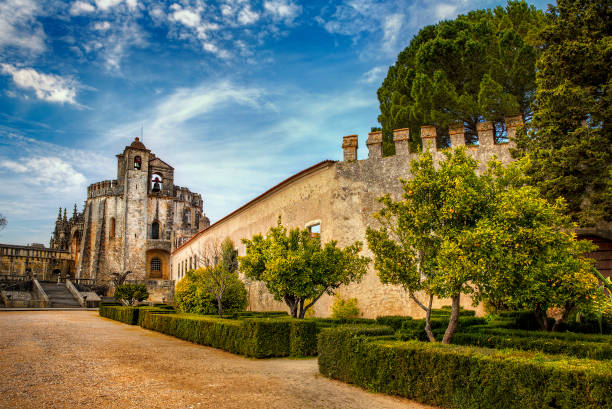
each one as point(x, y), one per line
point(258, 314)
point(580, 349)
point(464, 377)
point(253, 337)
point(563, 336)
point(127, 315)
point(130, 315)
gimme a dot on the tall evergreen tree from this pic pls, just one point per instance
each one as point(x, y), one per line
point(570, 142)
point(478, 66)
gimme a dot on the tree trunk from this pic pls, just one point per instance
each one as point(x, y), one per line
point(428, 331)
point(454, 320)
point(427, 310)
point(302, 310)
point(292, 304)
point(541, 318)
point(219, 307)
point(566, 311)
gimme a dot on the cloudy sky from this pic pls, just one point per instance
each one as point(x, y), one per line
point(237, 95)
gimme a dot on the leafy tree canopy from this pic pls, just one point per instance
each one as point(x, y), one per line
point(479, 66)
point(131, 294)
point(457, 232)
point(193, 293)
point(297, 269)
point(570, 142)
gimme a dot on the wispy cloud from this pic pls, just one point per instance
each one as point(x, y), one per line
point(47, 87)
point(81, 7)
point(282, 10)
point(376, 74)
point(19, 28)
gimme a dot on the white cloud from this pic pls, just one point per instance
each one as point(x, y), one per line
point(282, 9)
point(53, 174)
point(48, 87)
point(376, 74)
point(187, 17)
point(104, 5)
point(446, 11)
point(81, 7)
point(247, 16)
point(102, 26)
point(391, 30)
point(19, 27)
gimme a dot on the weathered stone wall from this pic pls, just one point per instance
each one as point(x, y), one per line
point(342, 197)
point(46, 263)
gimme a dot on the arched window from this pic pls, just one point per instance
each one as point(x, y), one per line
point(112, 228)
point(155, 230)
point(156, 182)
point(155, 264)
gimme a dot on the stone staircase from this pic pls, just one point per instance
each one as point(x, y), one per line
point(59, 296)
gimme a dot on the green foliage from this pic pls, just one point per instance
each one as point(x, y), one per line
point(480, 65)
point(193, 296)
point(570, 143)
point(303, 338)
point(342, 308)
point(130, 315)
point(464, 377)
point(254, 337)
point(131, 294)
point(456, 232)
point(295, 266)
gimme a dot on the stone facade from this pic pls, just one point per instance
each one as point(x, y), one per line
point(340, 199)
point(45, 263)
point(132, 223)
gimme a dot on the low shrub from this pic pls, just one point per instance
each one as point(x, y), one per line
point(464, 377)
point(563, 336)
point(253, 337)
point(393, 321)
point(303, 338)
point(344, 308)
point(127, 315)
point(415, 329)
point(131, 294)
point(258, 314)
point(580, 349)
point(193, 297)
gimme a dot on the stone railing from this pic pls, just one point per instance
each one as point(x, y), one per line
point(40, 293)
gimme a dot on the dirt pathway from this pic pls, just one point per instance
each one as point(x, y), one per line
point(76, 359)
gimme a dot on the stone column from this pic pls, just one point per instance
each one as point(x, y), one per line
point(349, 146)
point(428, 137)
point(486, 134)
point(457, 135)
point(401, 139)
point(512, 123)
point(374, 144)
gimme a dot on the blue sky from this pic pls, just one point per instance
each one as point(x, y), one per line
point(237, 95)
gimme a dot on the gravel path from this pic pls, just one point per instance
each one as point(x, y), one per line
point(68, 359)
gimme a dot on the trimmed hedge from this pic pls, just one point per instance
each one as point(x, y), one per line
point(464, 377)
point(127, 315)
point(303, 338)
point(253, 337)
point(258, 314)
point(592, 350)
point(130, 315)
point(563, 336)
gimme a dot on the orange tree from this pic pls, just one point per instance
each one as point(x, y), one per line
point(457, 232)
point(297, 269)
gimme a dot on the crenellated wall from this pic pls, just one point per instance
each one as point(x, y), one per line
point(341, 197)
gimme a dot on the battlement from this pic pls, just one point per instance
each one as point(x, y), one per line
point(456, 132)
point(104, 188)
point(186, 195)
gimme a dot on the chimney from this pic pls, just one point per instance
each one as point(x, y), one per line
point(401, 138)
point(457, 134)
point(486, 134)
point(428, 137)
point(374, 144)
point(349, 146)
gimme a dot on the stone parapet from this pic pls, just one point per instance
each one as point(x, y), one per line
point(401, 139)
point(428, 138)
point(104, 188)
point(486, 134)
point(349, 146)
point(159, 245)
point(374, 144)
point(457, 134)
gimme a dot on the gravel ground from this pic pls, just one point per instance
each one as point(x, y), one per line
point(68, 359)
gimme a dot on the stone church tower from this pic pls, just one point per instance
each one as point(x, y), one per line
point(134, 222)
